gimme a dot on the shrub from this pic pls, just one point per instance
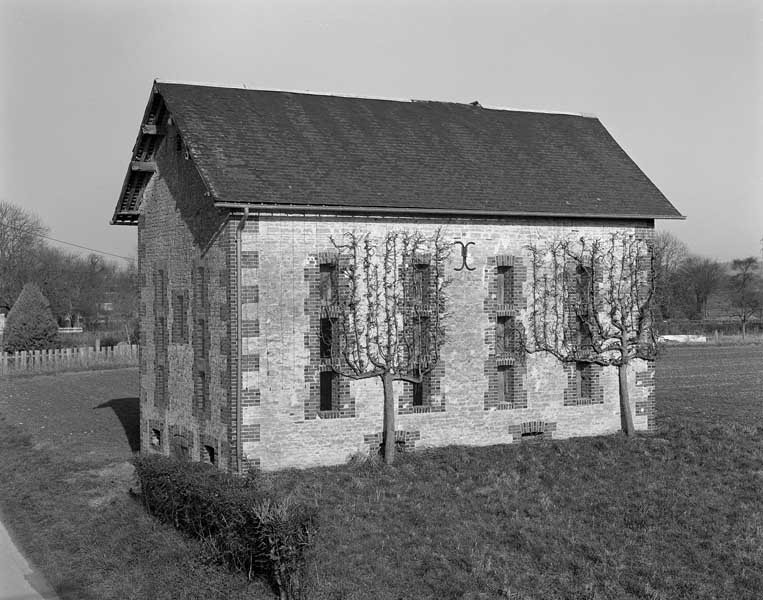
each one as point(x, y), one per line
point(242, 527)
point(30, 324)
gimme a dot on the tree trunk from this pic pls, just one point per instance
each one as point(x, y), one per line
point(744, 328)
point(626, 418)
point(389, 419)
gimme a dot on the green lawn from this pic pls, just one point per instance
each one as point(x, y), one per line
point(674, 515)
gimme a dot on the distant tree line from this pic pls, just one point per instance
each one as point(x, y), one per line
point(685, 283)
point(80, 290)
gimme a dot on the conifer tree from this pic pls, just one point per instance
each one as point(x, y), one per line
point(30, 324)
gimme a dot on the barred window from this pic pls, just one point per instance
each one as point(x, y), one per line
point(328, 282)
point(505, 288)
point(583, 379)
point(179, 325)
point(328, 390)
point(506, 376)
point(327, 338)
point(421, 273)
point(505, 340)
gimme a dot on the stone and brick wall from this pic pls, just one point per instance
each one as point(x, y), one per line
point(185, 307)
point(483, 391)
point(543, 399)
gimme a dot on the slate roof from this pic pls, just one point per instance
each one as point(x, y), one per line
point(308, 150)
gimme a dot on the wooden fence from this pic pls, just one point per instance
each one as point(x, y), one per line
point(67, 359)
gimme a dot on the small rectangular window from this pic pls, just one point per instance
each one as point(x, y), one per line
point(208, 455)
point(584, 336)
point(505, 288)
point(584, 287)
point(327, 390)
point(156, 439)
point(160, 289)
point(421, 345)
point(328, 282)
point(421, 391)
point(504, 335)
point(584, 375)
point(327, 340)
point(179, 328)
point(506, 384)
point(160, 335)
point(160, 385)
point(421, 274)
point(200, 390)
point(202, 333)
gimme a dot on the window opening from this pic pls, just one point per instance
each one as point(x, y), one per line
point(421, 284)
point(504, 335)
point(583, 378)
point(327, 390)
point(506, 384)
point(505, 285)
point(328, 273)
point(327, 336)
point(421, 391)
point(179, 329)
point(208, 456)
point(156, 439)
point(202, 338)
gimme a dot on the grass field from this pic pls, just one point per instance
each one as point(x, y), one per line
point(668, 516)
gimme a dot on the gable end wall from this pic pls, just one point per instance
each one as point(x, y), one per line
point(189, 241)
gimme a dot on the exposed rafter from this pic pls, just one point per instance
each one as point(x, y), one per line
point(142, 166)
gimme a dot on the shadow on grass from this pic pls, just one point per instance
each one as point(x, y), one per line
point(128, 413)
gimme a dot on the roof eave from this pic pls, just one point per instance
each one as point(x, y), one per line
point(325, 208)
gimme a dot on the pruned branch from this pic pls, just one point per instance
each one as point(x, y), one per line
point(388, 304)
point(591, 300)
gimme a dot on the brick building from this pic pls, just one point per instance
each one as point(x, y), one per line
point(236, 194)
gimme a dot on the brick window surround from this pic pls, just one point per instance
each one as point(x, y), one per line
point(160, 338)
point(200, 343)
point(424, 396)
point(505, 367)
point(329, 392)
point(583, 384)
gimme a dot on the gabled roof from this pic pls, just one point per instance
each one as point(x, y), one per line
point(307, 151)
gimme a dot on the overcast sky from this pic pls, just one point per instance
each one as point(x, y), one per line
point(678, 84)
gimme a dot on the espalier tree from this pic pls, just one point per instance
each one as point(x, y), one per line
point(592, 303)
point(386, 305)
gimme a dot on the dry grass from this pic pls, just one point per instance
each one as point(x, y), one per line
point(670, 516)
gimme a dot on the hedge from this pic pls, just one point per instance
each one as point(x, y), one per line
point(249, 531)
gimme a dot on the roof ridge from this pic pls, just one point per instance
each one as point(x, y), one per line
point(384, 99)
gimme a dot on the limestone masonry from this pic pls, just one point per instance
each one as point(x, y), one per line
point(231, 368)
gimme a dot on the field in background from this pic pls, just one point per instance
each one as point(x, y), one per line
point(675, 515)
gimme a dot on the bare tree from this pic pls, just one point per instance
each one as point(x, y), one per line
point(701, 277)
point(591, 303)
point(669, 256)
point(20, 239)
point(746, 289)
point(387, 312)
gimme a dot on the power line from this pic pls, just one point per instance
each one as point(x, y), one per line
point(52, 239)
